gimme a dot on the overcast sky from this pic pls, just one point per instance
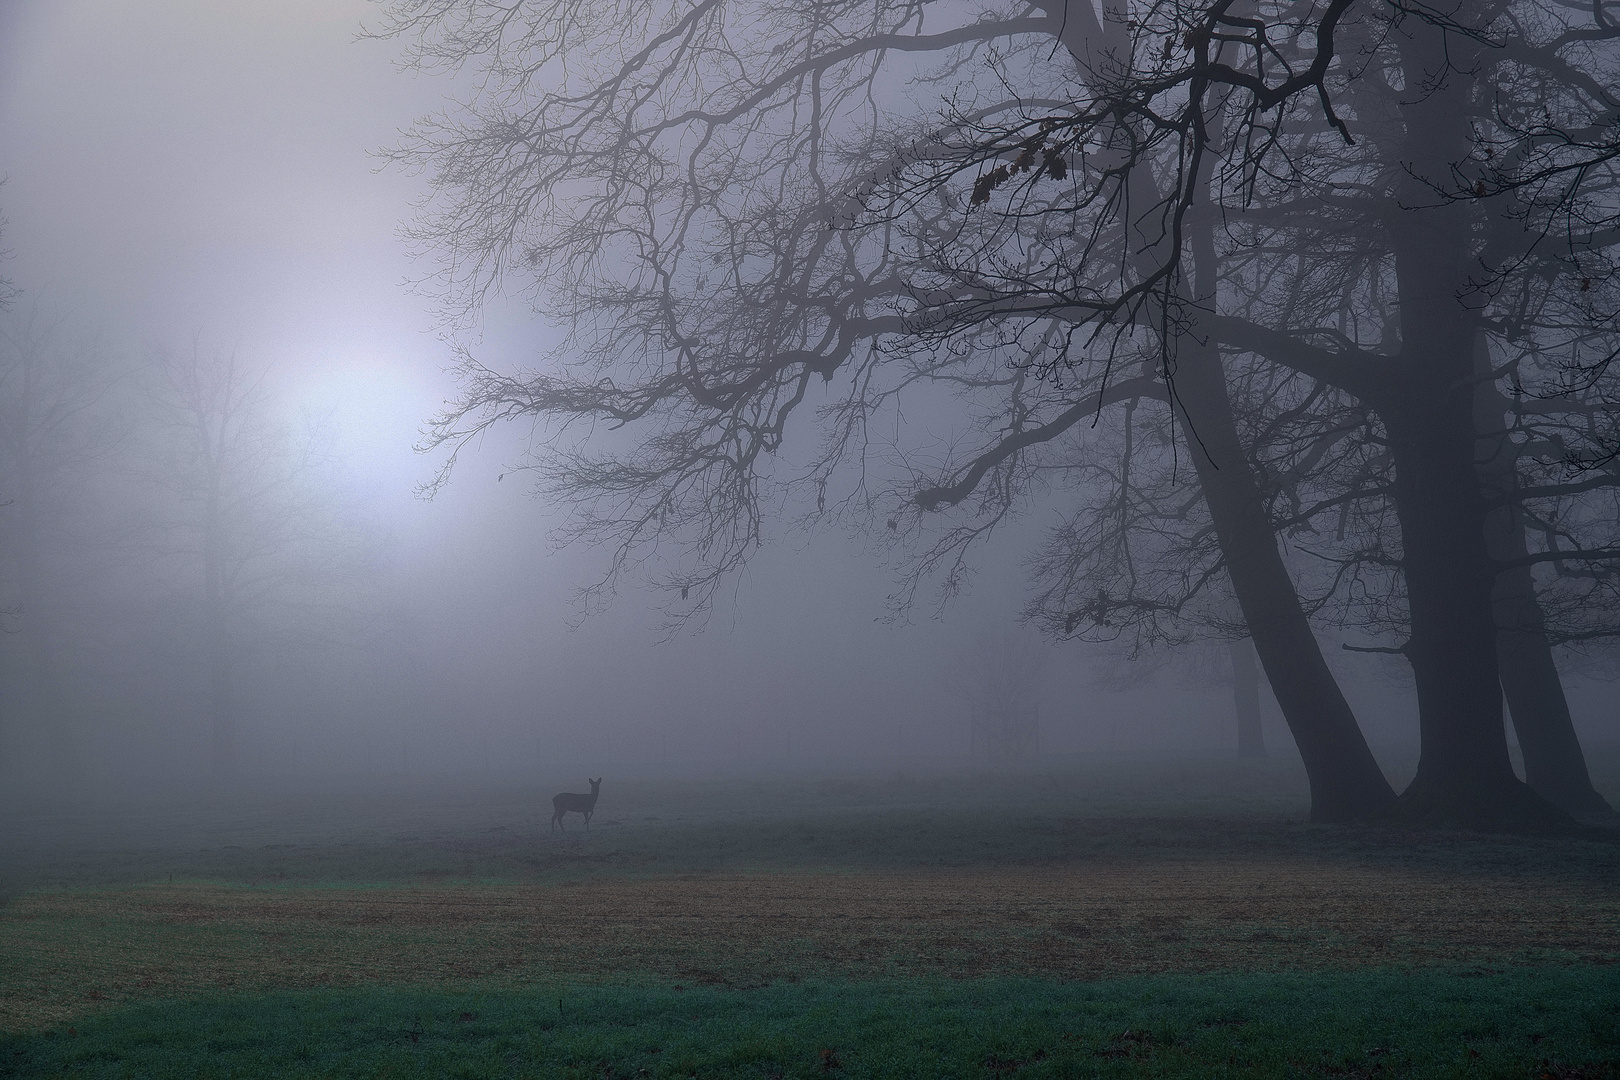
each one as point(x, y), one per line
point(203, 167)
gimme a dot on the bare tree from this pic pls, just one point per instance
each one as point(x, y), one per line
point(1435, 93)
point(999, 679)
point(256, 554)
point(717, 203)
point(714, 215)
point(1440, 92)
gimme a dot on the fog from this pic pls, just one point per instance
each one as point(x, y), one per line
point(195, 183)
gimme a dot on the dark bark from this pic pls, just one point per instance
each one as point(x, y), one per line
point(1346, 782)
point(1246, 698)
point(1464, 775)
point(1554, 766)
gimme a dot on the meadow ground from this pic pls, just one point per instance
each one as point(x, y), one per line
point(1126, 917)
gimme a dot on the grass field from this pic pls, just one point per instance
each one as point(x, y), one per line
point(1561, 1022)
point(1070, 923)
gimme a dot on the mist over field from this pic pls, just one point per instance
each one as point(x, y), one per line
point(210, 189)
point(194, 184)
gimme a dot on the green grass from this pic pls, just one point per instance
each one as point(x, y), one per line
point(1559, 1022)
point(269, 964)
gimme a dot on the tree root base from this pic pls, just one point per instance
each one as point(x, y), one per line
point(1346, 804)
point(1585, 806)
point(1507, 806)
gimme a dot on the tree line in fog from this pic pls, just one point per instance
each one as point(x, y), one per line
point(177, 549)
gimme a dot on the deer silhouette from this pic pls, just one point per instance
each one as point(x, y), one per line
point(579, 804)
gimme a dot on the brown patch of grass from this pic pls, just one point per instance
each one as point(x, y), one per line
point(62, 950)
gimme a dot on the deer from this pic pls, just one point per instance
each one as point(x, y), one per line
point(579, 804)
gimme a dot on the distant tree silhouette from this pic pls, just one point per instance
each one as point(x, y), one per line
point(254, 555)
point(998, 678)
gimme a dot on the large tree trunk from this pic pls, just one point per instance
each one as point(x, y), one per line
point(1251, 740)
point(1346, 782)
point(1554, 766)
point(222, 723)
point(1464, 776)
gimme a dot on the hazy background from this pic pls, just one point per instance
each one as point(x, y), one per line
point(198, 173)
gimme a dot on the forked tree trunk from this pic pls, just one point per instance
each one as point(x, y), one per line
point(1464, 775)
point(1554, 766)
point(1251, 739)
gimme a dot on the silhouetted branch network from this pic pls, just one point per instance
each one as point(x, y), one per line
point(958, 238)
